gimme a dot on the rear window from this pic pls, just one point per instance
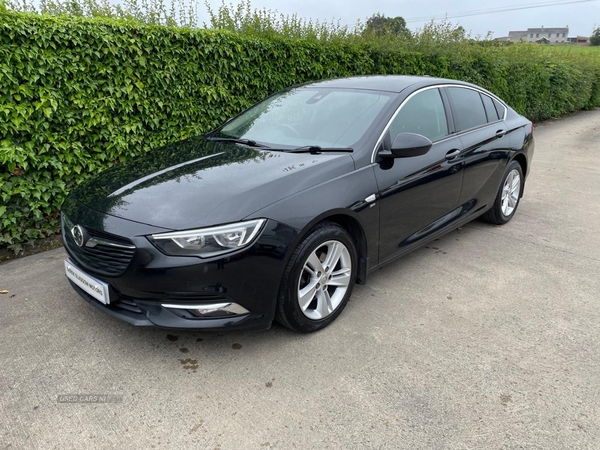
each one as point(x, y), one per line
point(490, 109)
point(499, 108)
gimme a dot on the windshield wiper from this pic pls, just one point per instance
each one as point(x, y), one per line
point(316, 150)
point(248, 142)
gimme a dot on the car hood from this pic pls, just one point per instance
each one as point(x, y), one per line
point(197, 183)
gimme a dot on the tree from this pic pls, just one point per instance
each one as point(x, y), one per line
point(595, 38)
point(459, 33)
point(379, 25)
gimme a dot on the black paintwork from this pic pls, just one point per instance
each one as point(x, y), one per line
point(198, 183)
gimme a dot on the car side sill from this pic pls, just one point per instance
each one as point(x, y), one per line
point(431, 238)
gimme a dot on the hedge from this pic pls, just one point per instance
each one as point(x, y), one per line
point(79, 95)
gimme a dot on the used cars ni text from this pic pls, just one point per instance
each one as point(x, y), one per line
point(276, 214)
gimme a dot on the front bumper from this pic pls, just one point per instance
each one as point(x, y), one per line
point(249, 278)
point(149, 314)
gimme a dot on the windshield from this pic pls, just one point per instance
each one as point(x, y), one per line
point(309, 116)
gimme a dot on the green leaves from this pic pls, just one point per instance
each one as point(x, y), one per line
point(79, 95)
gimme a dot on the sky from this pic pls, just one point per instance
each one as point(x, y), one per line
point(581, 17)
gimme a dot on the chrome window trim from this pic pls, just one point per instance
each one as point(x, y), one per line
point(437, 86)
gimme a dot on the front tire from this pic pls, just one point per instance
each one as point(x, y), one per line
point(318, 280)
point(508, 197)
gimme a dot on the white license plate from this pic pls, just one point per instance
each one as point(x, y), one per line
point(95, 288)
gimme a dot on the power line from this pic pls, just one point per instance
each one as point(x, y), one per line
point(495, 10)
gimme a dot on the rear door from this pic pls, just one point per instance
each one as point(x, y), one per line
point(418, 194)
point(478, 119)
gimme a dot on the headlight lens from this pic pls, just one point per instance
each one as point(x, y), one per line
point(207, 242)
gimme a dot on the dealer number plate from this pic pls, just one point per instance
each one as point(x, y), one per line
point(94, 287)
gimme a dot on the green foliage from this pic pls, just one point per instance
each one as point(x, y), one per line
point(176, 13)
point(380, 25)
point(78, 95)
point(595, 38)
point(242, 18)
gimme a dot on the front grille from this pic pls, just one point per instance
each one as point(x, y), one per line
point(110, 255)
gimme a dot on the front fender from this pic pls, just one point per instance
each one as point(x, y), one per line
point(343, 196)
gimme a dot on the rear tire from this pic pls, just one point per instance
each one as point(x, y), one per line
point(318, 280)
point(508, 197)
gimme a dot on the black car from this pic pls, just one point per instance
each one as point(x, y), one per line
point(277, 213)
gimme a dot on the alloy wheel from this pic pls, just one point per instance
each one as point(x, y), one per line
point(324, 280)
point(510, 192)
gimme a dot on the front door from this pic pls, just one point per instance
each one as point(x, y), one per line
point(418, 195)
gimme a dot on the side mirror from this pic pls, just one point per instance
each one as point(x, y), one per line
point(406, 145)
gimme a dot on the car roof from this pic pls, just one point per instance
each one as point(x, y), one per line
point(390, 83)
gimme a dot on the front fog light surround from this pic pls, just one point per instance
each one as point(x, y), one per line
point(207, 242)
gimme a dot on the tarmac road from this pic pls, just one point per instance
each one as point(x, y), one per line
point(488, 339)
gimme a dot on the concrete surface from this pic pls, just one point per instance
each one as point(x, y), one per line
point(487, 339)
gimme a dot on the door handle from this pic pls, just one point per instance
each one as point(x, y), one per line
point(452, 154)
point(500, 133)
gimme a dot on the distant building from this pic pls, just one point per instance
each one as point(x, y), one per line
point(579, 40)
point(540, 35)
point(516, 36)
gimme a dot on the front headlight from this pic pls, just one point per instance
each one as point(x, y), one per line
point(207, 242)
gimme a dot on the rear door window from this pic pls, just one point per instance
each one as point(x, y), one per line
point(467, 108)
